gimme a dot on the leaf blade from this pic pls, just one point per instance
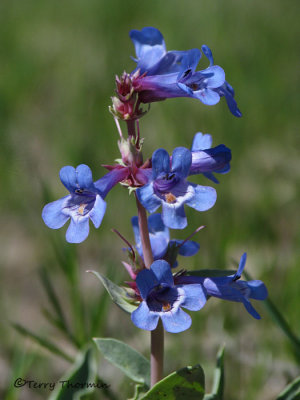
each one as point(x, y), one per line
point(186, 383)
point(130, 361)
point(117, 293)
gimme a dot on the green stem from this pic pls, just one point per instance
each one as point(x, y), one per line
point(157, 335)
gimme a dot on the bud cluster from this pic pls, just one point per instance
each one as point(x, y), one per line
point(126, 105)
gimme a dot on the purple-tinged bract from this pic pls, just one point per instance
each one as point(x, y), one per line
point(161, 298)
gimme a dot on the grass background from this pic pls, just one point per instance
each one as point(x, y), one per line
point(57, 69)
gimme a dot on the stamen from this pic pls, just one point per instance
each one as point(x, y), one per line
point(170, 198)
point(128, 243)
point(166, 307)
point(81, 208)
point(194, 86)
point(191, 235)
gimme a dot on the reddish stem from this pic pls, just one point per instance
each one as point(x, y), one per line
point(157, 336)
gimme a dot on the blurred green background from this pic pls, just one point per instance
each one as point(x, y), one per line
point(57, 70)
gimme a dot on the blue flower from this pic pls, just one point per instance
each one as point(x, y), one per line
point(169, 188)
point(84, 202)
point(166, 74)
point(161, 244)
point(231, 288)
point(225, 89)
point(161, 298)
point(207, 160)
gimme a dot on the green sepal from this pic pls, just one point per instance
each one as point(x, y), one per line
point(218, 382)
point(292, 391)
point(83, 371)
point(186, 383)
point(130, 361)
point(117, 293)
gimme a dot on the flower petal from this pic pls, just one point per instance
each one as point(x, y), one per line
point(147, 198)
point(227, 91)
point(195, 297)
point(251, 310)
point(177, 321)
point(216, 76)
point(160, 162)
point(204, 198)
point(174, 216)
point(84, 177)
point(211, 160)
point(68, 177)
point(189, 62)
point(136, 230)
point(146, 280)
point(207, 96)
point(109, 180)
point(181, 161)
point(78, 230)
point(149, 47)
point(207, 52)
point(242, 264)
point(143, 318)
point(189, 248)
point(210, 176)
point(202, 141)
point(258, 290)
point(98, 211)
point(52, 213)
point(162, 271)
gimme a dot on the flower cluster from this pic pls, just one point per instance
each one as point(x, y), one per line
point(160, 181)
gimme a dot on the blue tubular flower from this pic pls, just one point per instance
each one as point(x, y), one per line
point(231, 288)
point(225, 89)
point(165, 74)
point(168, 187)
point(151, 53)
point(83, 203)
point(162, 299)
point(160, 239)
point(172, 74)
point(207, 160)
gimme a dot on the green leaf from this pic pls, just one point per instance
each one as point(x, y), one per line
point(218, 383)
point(283, 325)
point(212, 273)
point(291, 392)
point(53, 299)
point(130, 361)
point(187, 383)
point(139, 391)
point(117, 293)
point(43, 342)
point(80, 380)
point(281, 322)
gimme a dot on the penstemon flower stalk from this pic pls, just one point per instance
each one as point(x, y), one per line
point(155, 296)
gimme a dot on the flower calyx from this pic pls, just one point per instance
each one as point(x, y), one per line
point(126, 105)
